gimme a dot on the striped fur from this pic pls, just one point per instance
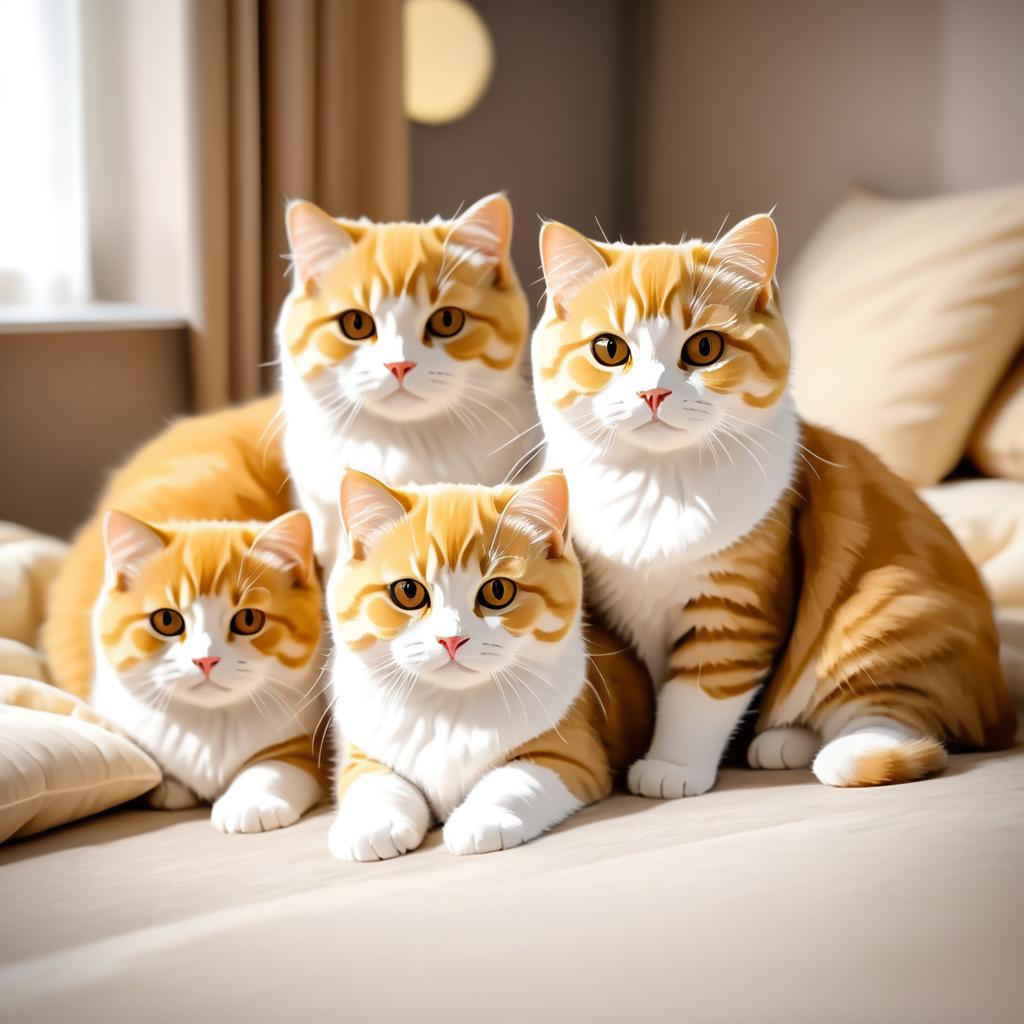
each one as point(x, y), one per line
point(738, 547)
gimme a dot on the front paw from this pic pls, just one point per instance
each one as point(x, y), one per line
point(666, 781)
point(483, 829)
point(253, 811)
point(381, 816)
point(171, 795)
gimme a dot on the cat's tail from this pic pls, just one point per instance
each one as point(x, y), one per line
point(877, 753)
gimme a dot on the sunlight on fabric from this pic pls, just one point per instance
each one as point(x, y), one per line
point(44, 254)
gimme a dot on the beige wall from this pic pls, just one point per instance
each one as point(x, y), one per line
point(754, 105)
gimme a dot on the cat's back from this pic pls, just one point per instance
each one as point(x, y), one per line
point(222, 465)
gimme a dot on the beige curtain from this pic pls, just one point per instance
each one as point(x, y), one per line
point(218, 112)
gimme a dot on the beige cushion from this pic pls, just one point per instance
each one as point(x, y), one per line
point(997, 446)
point(59, 761)
point(28, 563)
point(905, 315)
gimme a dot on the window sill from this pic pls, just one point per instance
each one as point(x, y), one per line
point(96, 316)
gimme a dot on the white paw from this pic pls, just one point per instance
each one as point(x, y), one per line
point(483, 830)
point(381, 816)
point(789, 746)
point(665, 781)
point(265, 797)
point(509, 806)
point(171, 795)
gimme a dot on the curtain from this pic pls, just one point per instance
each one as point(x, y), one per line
point(210, 115)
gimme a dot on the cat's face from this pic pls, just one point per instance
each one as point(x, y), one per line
point(405, 321)
point(658, 348)
point(210, 614)
point(456, 587)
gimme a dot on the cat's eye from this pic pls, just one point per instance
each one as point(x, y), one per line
point(248, 621)
point(357, 325)
point(702, 349)
point(497, 593)
point(609, 350)
point(446, 322)
point(167, 622)
point(409, 594)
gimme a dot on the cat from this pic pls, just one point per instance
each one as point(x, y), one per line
point(460, 677)
point(206, 636)
point(738, 547)
point(401, 348)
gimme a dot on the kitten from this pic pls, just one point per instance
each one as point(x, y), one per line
point(460, 674)
point(205, 636)
point(401, 348)
point(736, 545)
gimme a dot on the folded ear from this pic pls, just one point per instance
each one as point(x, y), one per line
point(481, 237)
point(751, 251)
point(541, 506)
point(288, 543)
point(367, 507)
point(317, 241)
point(129, 543)
point(569, 262)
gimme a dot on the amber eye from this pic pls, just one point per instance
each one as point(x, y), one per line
point(446, 322)
point(497, 593)
point(167, 622)
point(609, 350)
point(703, 348)
point(357, 325)
point(409, 594)
point(248, 621)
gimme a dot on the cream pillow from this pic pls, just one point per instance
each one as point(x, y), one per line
point(59, 761)
point(997, 446)
point(904, 316)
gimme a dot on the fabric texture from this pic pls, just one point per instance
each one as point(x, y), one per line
point(60, 761)
point(997, 445)
point(904, 317)
point(771, 899)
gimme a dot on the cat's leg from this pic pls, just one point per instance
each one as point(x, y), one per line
point(171, 795)
point(267, 795)
point(875, 750)
point(786, 746)
point(691, 732)
point(380, 814)
point(547, 780)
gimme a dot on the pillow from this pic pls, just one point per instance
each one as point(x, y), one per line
point(997, 446)
point(904, 316)
point(60, 761)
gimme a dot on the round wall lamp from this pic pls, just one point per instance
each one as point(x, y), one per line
point(449, 59)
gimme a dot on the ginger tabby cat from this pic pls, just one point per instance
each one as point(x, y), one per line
point(740, 548)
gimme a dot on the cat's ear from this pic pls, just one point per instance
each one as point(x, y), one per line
point(317, 241)
point(129, 544)
point(481, 237)
point(542, 505)
point(287, 542)
point(367, 506)
point(751, 251)
point(569, 262)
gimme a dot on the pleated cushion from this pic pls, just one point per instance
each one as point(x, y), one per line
point(59, 761)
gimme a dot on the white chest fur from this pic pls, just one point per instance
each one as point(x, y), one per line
point(644, 523)
point(444, 741)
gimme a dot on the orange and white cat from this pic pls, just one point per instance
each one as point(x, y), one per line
point(461, 670)
point(738, 547)
point(400, 351)
point(206, 635)
point(401, 348)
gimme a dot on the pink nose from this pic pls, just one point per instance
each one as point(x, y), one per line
point(206, 664)
point(452, 644)
point(654, 397)
point(400, 370)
